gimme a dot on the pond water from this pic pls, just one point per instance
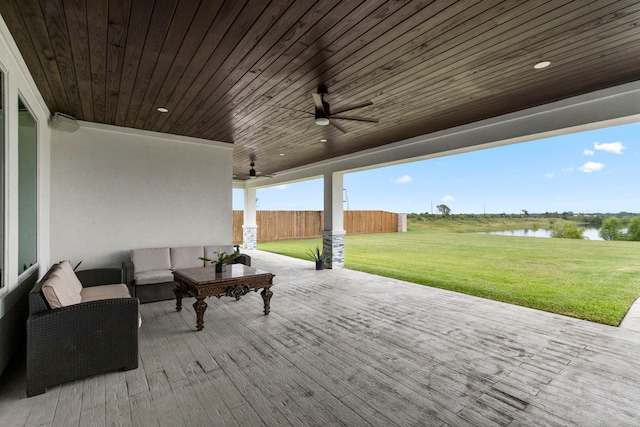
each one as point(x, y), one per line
point(589, 233)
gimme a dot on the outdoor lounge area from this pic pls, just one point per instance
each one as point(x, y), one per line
point(346, 348)
point(127, 125)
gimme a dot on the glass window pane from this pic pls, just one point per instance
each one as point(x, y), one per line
point(27, 188)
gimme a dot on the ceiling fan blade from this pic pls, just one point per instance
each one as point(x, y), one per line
point(356, 118)
point(292, 109)
point(317, 99)
point(339, 110)
point(337, 126)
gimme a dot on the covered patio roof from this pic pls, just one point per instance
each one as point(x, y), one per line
point(243, 72)
point(342, 347)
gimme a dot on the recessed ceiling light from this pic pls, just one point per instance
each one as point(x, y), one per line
point(543, 64)
point(281, 154)
point(162, 109)
point(323, 140)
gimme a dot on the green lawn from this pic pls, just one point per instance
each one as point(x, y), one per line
point(592, 280)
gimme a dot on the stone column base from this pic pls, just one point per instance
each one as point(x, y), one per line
point(249, 237)
point(333, 245)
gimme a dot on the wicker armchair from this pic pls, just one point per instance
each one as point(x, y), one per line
point(80, 340)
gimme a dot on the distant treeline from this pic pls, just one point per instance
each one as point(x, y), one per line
point(589, 220)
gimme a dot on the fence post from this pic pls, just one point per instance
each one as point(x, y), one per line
point(402, 223)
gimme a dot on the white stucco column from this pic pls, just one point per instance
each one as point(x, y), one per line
point(333, 233)
point(249, 226)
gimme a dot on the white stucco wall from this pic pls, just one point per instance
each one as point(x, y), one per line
point(114, 189)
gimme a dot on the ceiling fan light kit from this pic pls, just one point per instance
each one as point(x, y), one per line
point(322, 121)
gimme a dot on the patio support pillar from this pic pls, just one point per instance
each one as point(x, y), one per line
point(333, 233)
point(249, 226)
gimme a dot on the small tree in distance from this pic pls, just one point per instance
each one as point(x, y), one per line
point(567, 230)
point(611, 229)
point(633, 231)
point(444, 209)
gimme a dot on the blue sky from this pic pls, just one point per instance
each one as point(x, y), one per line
point(589, 172)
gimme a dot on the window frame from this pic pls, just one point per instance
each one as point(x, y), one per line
point(3, 177)
point(35, 265)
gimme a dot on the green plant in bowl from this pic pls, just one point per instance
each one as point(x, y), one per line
point(222, 261)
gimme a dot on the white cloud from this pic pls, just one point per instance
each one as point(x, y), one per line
point(611, 147)
point(589, 152)
point(448, 198)
point(591, 167)
point(403, 179)
point(567, 169)
point(549, 175)
point(282, 186)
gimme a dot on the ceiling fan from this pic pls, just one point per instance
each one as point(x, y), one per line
point(253, 174)
point(324, 116)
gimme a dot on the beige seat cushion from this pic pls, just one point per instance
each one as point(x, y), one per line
point(100, 292)
point(187, 257)
point(58, 292)
point(69, 276)
point(150, 259)
point(152, 277)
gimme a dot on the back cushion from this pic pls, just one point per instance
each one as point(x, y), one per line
point(151, 259)
point(187, 257)
point(68, 275)
point(58, 292)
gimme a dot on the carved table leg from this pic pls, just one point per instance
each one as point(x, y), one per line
point(178, 291)
point(266, 296)
point(200, 306)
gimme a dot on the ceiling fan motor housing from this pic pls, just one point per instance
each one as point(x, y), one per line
point(322, 115)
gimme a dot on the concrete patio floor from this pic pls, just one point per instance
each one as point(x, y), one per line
point(346, 348)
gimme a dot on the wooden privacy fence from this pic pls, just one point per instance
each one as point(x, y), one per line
point(289, 225)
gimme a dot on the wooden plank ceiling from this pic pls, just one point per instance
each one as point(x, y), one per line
point(244, 72)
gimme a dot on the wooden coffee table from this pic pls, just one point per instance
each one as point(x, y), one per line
point(235, 282)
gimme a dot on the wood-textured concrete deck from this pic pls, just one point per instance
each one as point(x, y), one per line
point(346, 348)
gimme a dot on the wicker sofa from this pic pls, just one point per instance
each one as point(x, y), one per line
point(80, 324)
point(149, 273)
